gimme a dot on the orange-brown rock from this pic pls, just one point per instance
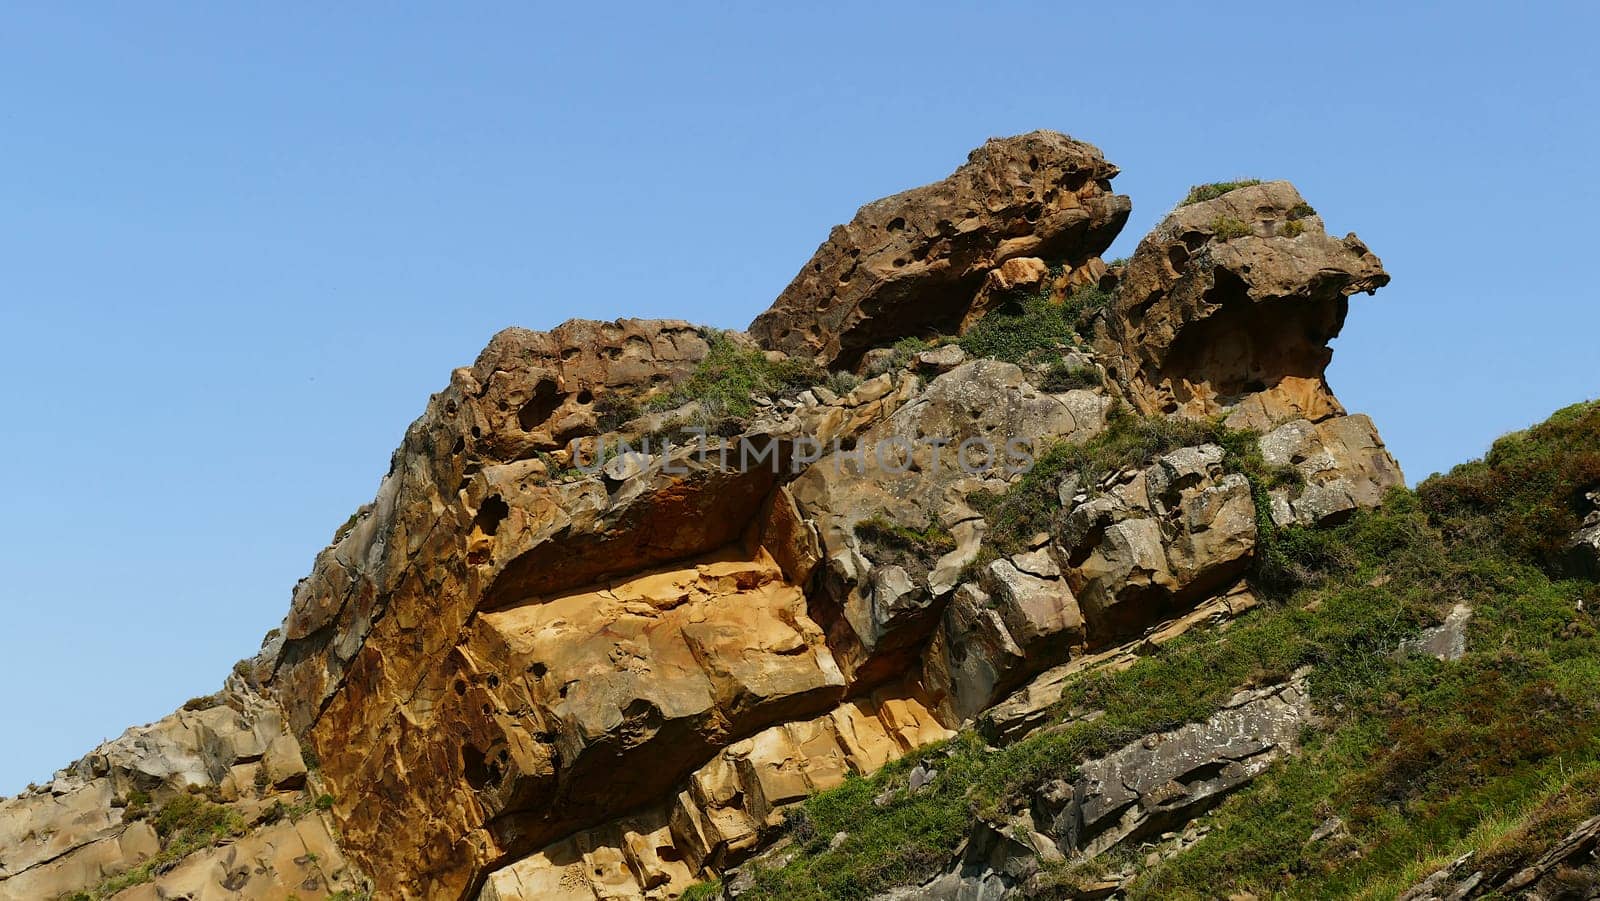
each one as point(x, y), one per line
point(89, 830)
point(524, 679)
point(911, 264)
point(1228, 305)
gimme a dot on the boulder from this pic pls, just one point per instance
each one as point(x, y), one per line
point(911, 264)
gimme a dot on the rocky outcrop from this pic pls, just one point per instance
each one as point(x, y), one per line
point(1583, 551)
point(878, 614)
point(1157, 537)
point(1228, 307)
point(103, 823)
point(528, 677)
point(1570, 868)
point(1149, 786)
point(1343, 467)
point(912, 263)
point(723, 810)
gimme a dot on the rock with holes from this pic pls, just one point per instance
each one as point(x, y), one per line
point(911, 264)
point(1228, 306)
point(536, 391)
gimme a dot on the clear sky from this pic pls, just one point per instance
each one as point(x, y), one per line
point(239, 249)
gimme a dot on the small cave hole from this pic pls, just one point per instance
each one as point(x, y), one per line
point(491, 514)
point(896, 224)
point(538, 670)
point(494, 681)
point(461, 688)
point(481, 771)
point(586, 397)
point(546, 401)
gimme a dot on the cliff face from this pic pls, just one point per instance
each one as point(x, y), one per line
point(524, 679)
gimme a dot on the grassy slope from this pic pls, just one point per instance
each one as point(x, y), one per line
point(1420, 759)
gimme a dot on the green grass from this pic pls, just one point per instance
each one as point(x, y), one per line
point(729, 374)
point(185, 824)
point(702, 891)
point(1226, 228)
point(1212, 191)
point(1425, 760)
point(1062, 376)
point(1526, 495)
point(1421, 760)
point(1034, 325)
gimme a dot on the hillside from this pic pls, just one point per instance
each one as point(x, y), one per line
point(978, 568)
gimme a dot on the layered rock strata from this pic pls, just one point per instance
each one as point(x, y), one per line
point(524, 678)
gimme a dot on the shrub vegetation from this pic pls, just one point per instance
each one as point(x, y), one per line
point(1213, 190)
point(1420, 760)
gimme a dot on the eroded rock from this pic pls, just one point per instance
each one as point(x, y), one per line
point(1228, 306)
point(912, 263)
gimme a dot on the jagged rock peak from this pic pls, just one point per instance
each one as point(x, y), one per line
point(912, 263)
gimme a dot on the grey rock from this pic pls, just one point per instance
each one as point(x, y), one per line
point(1161, 781)
point(1446, 641)
point(942, 358)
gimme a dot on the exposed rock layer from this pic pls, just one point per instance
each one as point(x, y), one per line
point(527, 681)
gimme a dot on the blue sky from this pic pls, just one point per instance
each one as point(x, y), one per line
point(239, 249)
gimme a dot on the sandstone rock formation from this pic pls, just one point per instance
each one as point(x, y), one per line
point(912, 263)
point(1229, 304)
point(95, 826)
point(525, 678)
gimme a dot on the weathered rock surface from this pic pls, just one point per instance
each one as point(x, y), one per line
point(721, 812)
point(1569, 869)
point(526, 679)
point(92, 822)
point(1583, 553)
point(1228, 307)
point(973, 411)
point(1160, 781)
point(912, 263)
point(1149, 786)
point(1179, 529)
